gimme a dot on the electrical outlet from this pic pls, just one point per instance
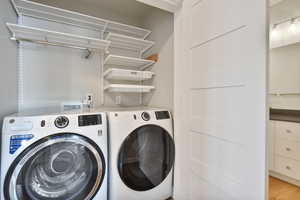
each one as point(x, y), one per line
point(88, 100)
point(89, 97)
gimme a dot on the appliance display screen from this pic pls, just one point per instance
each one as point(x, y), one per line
point(162, 115)
point(89, 120)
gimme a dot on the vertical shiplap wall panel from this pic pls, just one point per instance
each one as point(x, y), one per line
point(215, 112)
point(213, 18)
point(199, 185)
point(215, 54)
point(223, 98)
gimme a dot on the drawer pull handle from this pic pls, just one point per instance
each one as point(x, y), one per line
point(288, 168)
point(288, 149)
point(288, 131)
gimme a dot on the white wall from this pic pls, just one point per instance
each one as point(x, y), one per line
point(161, 24)
point(291, 102)
point(285, 77)
point(50, 75)
point(8, 66)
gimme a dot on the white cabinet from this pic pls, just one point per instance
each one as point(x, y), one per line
point(284, 148)
point(287, 167)
point(288, 148)
point(288, 130)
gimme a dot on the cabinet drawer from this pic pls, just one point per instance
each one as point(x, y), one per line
point(288, 130)
point(288, 148)
point(287, 167)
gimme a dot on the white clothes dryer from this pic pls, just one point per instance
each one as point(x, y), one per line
point(54, 157)
point(142, 153)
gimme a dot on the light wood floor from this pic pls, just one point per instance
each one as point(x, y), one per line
point(279, 190)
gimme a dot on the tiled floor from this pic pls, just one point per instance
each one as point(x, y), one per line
point(279, 190)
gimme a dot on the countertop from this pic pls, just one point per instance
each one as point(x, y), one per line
point(285, 115)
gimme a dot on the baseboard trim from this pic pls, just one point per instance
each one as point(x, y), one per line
point(284, 178)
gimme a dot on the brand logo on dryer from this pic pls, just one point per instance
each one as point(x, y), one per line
point(16, 141)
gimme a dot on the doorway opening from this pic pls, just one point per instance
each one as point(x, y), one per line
point(284, 100)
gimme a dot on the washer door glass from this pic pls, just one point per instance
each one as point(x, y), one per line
point(146, 157)
point(62, 167)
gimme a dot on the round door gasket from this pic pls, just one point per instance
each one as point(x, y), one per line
point(96, 151)
point(170, 158)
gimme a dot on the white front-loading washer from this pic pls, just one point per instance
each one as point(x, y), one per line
point(142, 153)
point(54, 157)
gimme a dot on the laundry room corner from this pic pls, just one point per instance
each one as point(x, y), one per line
point(163, 35)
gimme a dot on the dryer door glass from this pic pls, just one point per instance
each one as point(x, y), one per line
point(61, 167)
point(146, 157)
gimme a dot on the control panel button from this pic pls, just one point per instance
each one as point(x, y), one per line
point(61, 122)
point(43, 123)
point(145, 116)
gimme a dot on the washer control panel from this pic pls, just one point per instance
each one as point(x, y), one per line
point(146, 116)
point(89, 120)
point(162, 115)
point(61, 122)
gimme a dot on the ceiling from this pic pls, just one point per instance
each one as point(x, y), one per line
point(129, 10)
point(284, 9)
point(274, 2)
